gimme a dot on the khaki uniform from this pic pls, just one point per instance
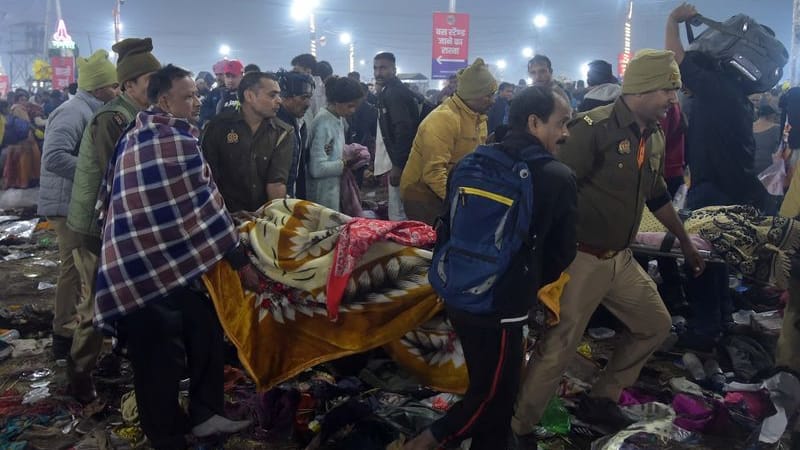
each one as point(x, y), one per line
point(243, 162)
point(604, 151)
point(97, 147)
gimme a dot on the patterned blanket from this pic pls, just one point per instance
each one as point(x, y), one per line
point(758, 247)
point(286, 326)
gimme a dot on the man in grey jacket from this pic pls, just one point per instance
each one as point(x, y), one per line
point(97, 84)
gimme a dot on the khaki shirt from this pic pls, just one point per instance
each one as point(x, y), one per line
point(97, 147)
point(107, 128)
point(612, 190)
point(242, 162)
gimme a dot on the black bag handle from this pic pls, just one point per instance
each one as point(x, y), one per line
point(710, 23)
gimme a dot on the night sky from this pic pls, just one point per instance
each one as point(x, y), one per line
point(190, 32)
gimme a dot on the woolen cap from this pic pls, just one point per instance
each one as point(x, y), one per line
point(295, 84)
point(219, 67)
point(600, 72)
point(233, 66)
point(135, 58)
point(651, 70)
point(96, 71)
point(475, 81)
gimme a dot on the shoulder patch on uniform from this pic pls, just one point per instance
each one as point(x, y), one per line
point(119, 119)
point(281, 124)
point(284, 134)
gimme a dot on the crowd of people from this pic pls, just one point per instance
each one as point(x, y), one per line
point(144, 168)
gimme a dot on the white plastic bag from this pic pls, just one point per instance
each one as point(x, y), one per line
point(679, 201)
point(774, 176)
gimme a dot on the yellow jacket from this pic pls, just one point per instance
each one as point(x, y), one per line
point(450, 131)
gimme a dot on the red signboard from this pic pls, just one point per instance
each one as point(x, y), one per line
point(63, 71)
point(450, 44)
point(5, 85)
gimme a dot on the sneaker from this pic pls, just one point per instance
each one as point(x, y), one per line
point(602, 411)
point(61, 347)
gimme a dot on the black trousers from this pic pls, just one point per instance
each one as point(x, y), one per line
point(494, 363)
point(172, 337)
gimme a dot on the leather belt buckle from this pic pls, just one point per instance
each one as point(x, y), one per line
point(608, 254)
point(596, 252)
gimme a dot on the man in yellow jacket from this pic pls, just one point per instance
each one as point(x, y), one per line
point(451, 131)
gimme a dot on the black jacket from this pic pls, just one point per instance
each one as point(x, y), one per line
point(296, 183)
point(398, 115)
point(555, 206)
point(720, 146)
point(229, 101)
point(208, 107)
point(363, 126)
point(498, 115)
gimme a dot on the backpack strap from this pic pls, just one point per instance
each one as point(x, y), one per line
point(494, 152)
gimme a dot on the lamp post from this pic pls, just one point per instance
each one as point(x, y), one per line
point(347, 39)
point(501, 65)
point(584, 71)
point(626, 49)
point(539, 21)
point(527, 52)
point(302, 9)
point(117, 20)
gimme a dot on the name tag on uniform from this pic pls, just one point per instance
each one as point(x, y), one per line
point(624, 147)
point(233, 137)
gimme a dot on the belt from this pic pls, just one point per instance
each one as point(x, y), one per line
point(599, 253)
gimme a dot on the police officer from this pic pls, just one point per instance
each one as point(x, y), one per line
point(249, 149)
point(617, 153)
point(135, 64)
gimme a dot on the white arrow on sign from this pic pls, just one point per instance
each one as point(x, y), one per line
point(440, 60)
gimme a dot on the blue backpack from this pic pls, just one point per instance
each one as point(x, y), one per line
point(490, 203)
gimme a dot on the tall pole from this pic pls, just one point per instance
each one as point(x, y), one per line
point(117, 21)
point(312, 28)
point(47, 30)
point(626, 49)
point(452, 6)
point(795, 56)
point(352, 55)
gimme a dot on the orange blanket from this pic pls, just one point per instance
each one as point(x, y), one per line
point(285, 329)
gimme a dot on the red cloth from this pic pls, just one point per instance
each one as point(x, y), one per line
point(756, 405)
point(675, 134)
point(355, 239)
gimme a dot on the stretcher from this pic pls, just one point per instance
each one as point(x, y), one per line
point(644, 245)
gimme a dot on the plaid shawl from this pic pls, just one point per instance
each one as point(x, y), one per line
point(165, 223)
